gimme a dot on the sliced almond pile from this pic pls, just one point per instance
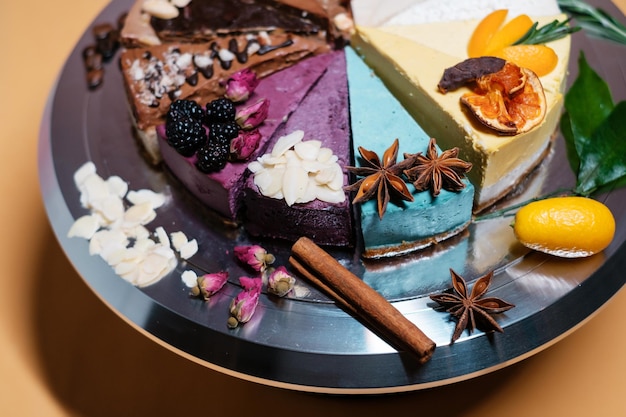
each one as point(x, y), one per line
point(116, 228)
point(299, 171)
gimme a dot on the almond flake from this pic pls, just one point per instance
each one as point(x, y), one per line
point(286, 142)
point(117, 186)
point(324, 154)
point(85, 227)
point(189, 278)
point(178, 239)
point(189, 249)
point(162, 236)
point(140, 214)
point(111, 207)
point(330, 196)
point(86, 170)
point(180, 3)
point(161, 9)
point(156, 200)
point(94, 188)
point(308, 150)
point(295, 181)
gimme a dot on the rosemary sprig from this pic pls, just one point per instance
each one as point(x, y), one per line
point(595, 21)
point(547, 33)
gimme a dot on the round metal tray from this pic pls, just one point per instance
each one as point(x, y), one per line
point(306, 342)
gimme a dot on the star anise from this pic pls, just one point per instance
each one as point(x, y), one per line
point(381, 178)
point(436, 172)
point(467, 308)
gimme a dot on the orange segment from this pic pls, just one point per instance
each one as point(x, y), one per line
point(484, 32)
point(540, 59)
point(509, 34)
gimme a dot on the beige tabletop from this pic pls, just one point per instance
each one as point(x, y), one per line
point(64, 353)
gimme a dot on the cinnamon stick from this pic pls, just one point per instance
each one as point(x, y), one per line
point(360, 299)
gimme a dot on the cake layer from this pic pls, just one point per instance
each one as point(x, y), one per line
point(322, 115)
point(156, 76)
point(412, 70)
point(205, 20)
point(378, 118)
point(222, 191)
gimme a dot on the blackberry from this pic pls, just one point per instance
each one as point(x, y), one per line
point(220, 110)
point(185, 108)
point(212, 157)
point(185, 134)
point(223, 132)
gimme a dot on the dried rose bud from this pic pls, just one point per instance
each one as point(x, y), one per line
point(244, 304)
point(255, 256)
point(240, 85)
point(209, 284)
point(245, 144)
point(253, 115)
point(280, 282)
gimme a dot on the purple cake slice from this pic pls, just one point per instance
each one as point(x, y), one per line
point(222, 190)
point(321, 120)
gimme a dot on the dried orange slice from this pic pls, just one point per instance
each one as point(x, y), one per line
point(510, 101)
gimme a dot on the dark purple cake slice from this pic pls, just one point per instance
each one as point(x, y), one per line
point(222, 191)
point(323, 116)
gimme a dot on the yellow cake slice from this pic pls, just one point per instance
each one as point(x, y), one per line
point(411, 60)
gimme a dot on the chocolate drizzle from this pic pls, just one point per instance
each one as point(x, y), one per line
point(242, 56)
point(165, 75)
point(265, 49)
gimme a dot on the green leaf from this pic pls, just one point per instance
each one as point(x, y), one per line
point(593, 128)
point(588, 102)
point(604, 160)
point(595, 21)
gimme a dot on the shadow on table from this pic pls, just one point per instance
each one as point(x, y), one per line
point(98, 365)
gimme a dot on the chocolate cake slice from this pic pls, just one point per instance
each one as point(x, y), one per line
point(222, 191)
point(147, 23)
point(156, 76)
point(190, 53)
point(203, 20)
point(322, 116)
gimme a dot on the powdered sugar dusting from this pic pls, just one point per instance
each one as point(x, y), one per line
point(430, 11)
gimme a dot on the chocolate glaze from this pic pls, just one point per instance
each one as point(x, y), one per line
point(204, 19)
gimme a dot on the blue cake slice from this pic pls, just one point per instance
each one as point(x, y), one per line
point(377, 119)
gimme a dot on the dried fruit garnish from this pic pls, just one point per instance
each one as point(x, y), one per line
point(469, 307)
point(510, 101)
point(469, 70)
point(381, 178)
point(437, 171)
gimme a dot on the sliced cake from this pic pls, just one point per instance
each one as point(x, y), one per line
point(151, 22)
point(295, 207)
point(378, 119)
point(188, 49)
point(222, 190)
point(156, 76)
point(411, 59)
